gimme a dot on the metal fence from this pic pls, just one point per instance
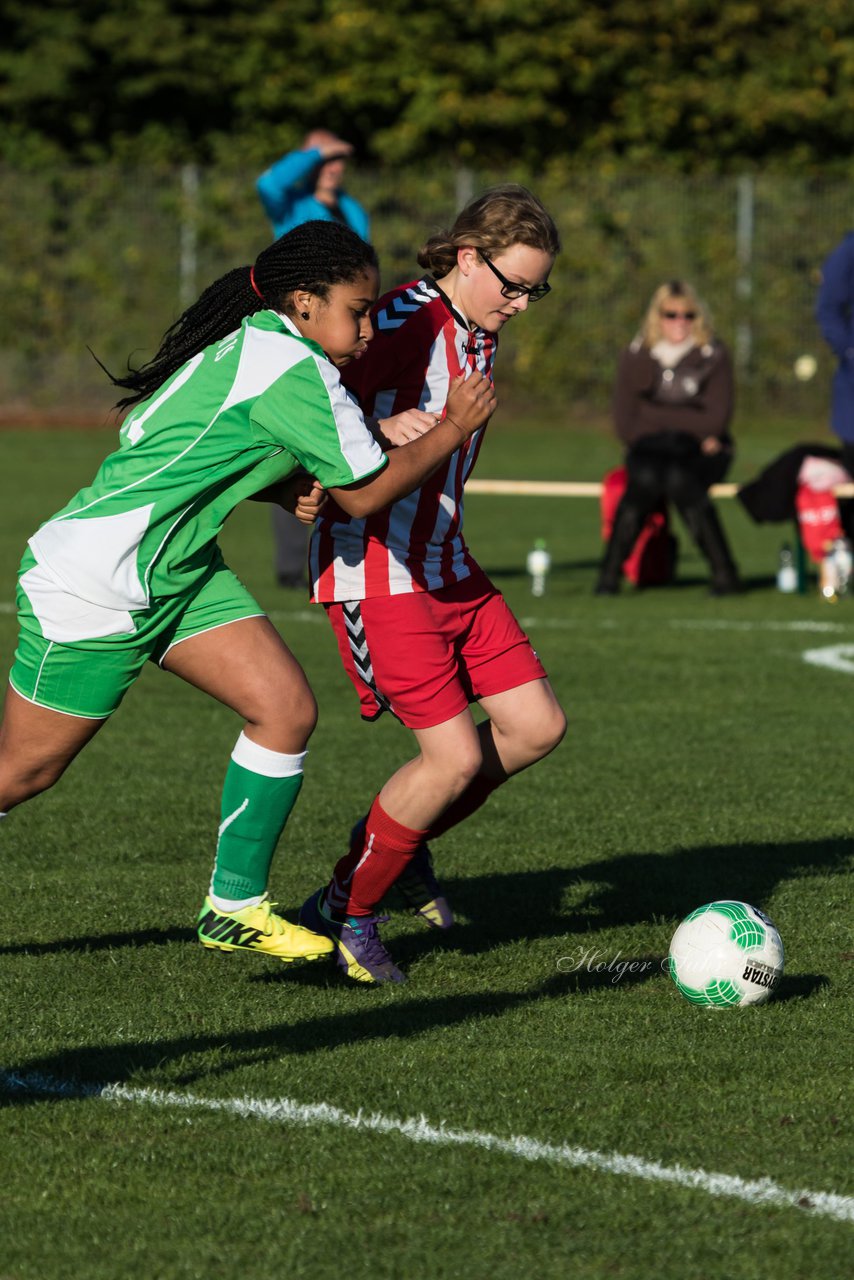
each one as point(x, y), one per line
point(105, 258)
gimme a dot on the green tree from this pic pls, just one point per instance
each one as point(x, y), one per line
point(691, 83)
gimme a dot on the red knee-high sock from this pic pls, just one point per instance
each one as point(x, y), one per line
point(476, 793)
point(365, 874)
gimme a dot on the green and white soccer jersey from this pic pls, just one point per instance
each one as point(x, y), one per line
point(242, 414)
point(131, 565)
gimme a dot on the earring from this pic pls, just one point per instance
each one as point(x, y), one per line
point(304, 315)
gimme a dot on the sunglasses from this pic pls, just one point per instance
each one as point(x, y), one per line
point(510, 288)
point(679, 315)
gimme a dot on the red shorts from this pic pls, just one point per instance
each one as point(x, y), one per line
point(426, 655)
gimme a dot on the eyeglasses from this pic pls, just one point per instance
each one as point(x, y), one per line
point(511, 289)
point(678, 315)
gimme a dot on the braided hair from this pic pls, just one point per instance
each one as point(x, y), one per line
point(314, 256)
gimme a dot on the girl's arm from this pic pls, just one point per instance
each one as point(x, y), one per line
point(471, 403)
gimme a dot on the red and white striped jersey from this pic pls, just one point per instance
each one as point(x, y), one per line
point(417, 544)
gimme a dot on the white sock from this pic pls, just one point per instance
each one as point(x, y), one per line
point(234, 904)
point(272, 764)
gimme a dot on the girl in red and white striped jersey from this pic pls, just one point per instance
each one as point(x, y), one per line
point(421, 630)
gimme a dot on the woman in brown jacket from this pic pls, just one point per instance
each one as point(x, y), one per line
point(673, 404)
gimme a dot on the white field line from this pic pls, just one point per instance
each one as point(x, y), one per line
point(723, 624)
point(316, 614)
point(838, 657)
point(685, 624)
point(761, 1191)
point(834, 657)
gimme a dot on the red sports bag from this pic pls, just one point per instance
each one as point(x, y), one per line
point(652, 562)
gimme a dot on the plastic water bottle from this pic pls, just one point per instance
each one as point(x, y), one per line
point(827, 576)
point(787, 573)
point(538, 564)
point(835, 572)
point(844, 562)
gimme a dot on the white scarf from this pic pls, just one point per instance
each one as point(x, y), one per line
point(669, 354)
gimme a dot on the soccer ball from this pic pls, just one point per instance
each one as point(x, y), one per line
point(726, 953)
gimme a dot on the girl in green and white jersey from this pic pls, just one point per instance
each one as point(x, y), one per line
point(242, 400)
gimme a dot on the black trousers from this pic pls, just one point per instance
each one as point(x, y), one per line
point(290, 543)
point(672, 468)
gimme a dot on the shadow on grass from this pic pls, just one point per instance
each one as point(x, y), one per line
point(507, 907)
point(504, 908)
point(100, 942)
point(798, 986)
point(629, 890)
point(77, 1072)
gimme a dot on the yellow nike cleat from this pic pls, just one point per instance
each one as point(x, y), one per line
point(259, 929)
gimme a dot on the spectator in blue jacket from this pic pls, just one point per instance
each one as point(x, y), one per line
point(835, 316)
point(301, 187)
point(306, 184)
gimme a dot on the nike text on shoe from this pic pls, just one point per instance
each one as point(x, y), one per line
point(360, 950)
point(259, 929)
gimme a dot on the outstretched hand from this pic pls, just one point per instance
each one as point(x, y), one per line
point(471, 402)
point(335, 149)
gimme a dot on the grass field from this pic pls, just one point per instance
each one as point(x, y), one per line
point(174, 1114)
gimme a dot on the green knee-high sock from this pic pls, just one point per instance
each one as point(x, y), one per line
point(260, 790)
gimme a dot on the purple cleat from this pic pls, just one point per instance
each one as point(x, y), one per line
point(359, 948)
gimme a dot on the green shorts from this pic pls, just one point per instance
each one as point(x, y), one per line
point(89, 678)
